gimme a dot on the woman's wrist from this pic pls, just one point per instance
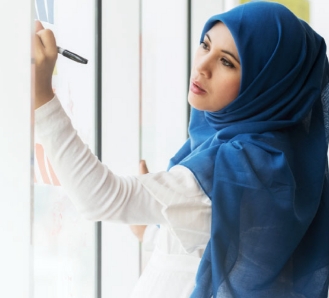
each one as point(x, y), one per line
point(42, 97)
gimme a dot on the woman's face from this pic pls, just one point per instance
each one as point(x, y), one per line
point(216, 71)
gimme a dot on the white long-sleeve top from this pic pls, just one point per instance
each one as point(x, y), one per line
point(174, 200)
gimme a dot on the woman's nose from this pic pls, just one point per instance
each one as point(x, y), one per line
point(204, 66)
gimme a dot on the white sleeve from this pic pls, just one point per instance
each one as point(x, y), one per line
point(174, 198)
point(185, 206)
point(95, 191)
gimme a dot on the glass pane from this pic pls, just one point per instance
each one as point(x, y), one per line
point(319, 11)
point(63, 242)
point(164, 81)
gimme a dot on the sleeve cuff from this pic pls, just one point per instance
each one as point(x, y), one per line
point(185, 206)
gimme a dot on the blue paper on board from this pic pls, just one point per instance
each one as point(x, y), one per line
point(44, 10)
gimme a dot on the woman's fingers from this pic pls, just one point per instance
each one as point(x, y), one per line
point(38, 26)
point(48, 42)
point(143, 167)
point(138, 231)
point(45, 55)
point(38, 48)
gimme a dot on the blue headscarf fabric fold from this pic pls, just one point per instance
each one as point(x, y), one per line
point(262, 160)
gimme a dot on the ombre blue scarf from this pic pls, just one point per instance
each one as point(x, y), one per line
point(262, 160)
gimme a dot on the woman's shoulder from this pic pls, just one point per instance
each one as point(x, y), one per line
point(257, 160)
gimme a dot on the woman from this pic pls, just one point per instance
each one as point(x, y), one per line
point(249, 188)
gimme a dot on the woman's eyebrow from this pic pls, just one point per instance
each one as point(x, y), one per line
point(231, 54)
point(225, 51)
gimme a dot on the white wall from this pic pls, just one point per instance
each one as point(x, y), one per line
point(120, 150)
point(15, 149)
point(319, 11)
point(164, 80)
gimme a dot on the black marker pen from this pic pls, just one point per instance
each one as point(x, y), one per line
point(72, 56)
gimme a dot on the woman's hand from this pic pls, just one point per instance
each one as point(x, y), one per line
point(45, 56)
point(143, 167)
point(139, 230)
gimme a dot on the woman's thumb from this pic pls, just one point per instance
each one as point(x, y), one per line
point(142, 167)
point(38, 26)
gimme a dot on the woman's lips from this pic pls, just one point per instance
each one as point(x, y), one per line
point(196, 89)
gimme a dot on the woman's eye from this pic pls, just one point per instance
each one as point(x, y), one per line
point(227, 63)
point(204, 45)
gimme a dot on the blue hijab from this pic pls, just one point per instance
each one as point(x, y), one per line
point(262, 160)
